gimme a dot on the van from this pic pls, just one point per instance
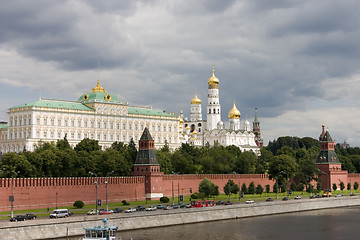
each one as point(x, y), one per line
point(59, 213)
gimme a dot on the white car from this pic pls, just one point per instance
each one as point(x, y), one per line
point(297, 197)
point(130, 210)
point(249, 201)
point(151, 208)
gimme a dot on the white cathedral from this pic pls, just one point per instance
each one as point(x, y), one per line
point(199, 132)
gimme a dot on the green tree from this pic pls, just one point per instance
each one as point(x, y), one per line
point(356, 185)
point(342, 186)
point(244, 188)
point(79, 204)
point(251, 189)
point(164, 199)
point(259, 189)
point(267, 187)
point(234, 188)
point(293, 186)
point(275, 188)
point(208, 188)
point(348, 186)
point(334, 186)
point(88, 145)
point(282, 167)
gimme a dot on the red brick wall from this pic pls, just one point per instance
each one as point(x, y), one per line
point(182, 183)
point(33, 193)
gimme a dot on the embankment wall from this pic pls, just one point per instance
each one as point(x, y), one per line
point(73, 226)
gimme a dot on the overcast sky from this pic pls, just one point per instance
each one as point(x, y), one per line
point(297, 61)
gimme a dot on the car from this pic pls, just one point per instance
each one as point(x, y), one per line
point(297, 197)
point(338, 195)
point(60, 213)
point(18, 218)
point(228, 203)
point(285, 199)
point(130, 210)
point(105, 212)
point(29, 216)
point(249, 201)
point(352, 194)
point(269, 199)
point(168, 207)
point(140, 208)
point(312, 197)
point(220, 202)
point(181, 205)
point(160, 206)
point(92, 212)
point(318, 196)
point(188, 205)
point(176, 206)
point(151, 208)
point(118, 210)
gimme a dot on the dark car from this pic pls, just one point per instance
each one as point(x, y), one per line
point(29, 216)
point(140, 208)
point(228, 203)
point(160, 206)
point(285, 199)
point(18, 218)
point(269, 199)
point(312, 197)
point(352, 194)
point(118, 210)
point(318, 196)
point(220, 202)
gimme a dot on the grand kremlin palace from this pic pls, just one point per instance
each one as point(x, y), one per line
point(96, 115)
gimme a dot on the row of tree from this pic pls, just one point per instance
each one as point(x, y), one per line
point(286, 158)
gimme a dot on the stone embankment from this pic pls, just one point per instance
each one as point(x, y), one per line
point(73, 226)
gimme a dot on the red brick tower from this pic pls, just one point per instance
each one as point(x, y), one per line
point(146, 164)
point(329, 163)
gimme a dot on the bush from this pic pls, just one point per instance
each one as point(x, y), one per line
point(197, 195)
point(79, 204)
point(124, 202)
point(164, 199)
point(356, 186)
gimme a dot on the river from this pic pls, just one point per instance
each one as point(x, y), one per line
point(335, 223)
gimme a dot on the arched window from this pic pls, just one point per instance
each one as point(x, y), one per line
point(209, 111)
point(214, 110)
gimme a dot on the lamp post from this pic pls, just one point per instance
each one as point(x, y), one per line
point(229, 191)
point(11, 198)
point(172, 188)
point(96, 192)
point(287, 182)
point(106, 199)
point(178, 188)
point(277, 187)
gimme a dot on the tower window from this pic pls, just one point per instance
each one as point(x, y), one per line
point(214, 110)
point(209, 111)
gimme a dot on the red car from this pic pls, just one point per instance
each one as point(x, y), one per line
point(103, 211)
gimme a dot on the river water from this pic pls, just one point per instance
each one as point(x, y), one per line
point(338, 223)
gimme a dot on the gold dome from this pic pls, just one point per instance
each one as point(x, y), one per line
point(194, 132)
point(196, 100)
point(234, 113)
point(98, 88)
point(213, 80)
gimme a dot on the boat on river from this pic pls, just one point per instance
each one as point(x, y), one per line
point(101, 232)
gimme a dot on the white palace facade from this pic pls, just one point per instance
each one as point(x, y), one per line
point(96, 115)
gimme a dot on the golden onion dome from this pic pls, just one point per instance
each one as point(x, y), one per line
point(213, 80)
point(234, 113)
point(196, 100)
point(98, 88)
point(194, 132)
point(187, 127)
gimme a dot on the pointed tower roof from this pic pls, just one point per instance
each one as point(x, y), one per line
point(146, 135)
point(234, 113)
point(196, 100)
point(256, 116)
point(327, 153)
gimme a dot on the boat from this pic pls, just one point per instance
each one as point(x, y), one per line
point(101, 232)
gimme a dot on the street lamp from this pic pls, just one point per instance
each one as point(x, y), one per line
point(287, 181)
point(106, 199)
point(11, 198)
point(96, 187)
point(229, 191)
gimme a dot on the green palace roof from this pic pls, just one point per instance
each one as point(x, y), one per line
point(102, 97)
point(49, 103)
point(148, 111)
point(3, 125)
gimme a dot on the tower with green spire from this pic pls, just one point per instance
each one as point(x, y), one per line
point(256, 129)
